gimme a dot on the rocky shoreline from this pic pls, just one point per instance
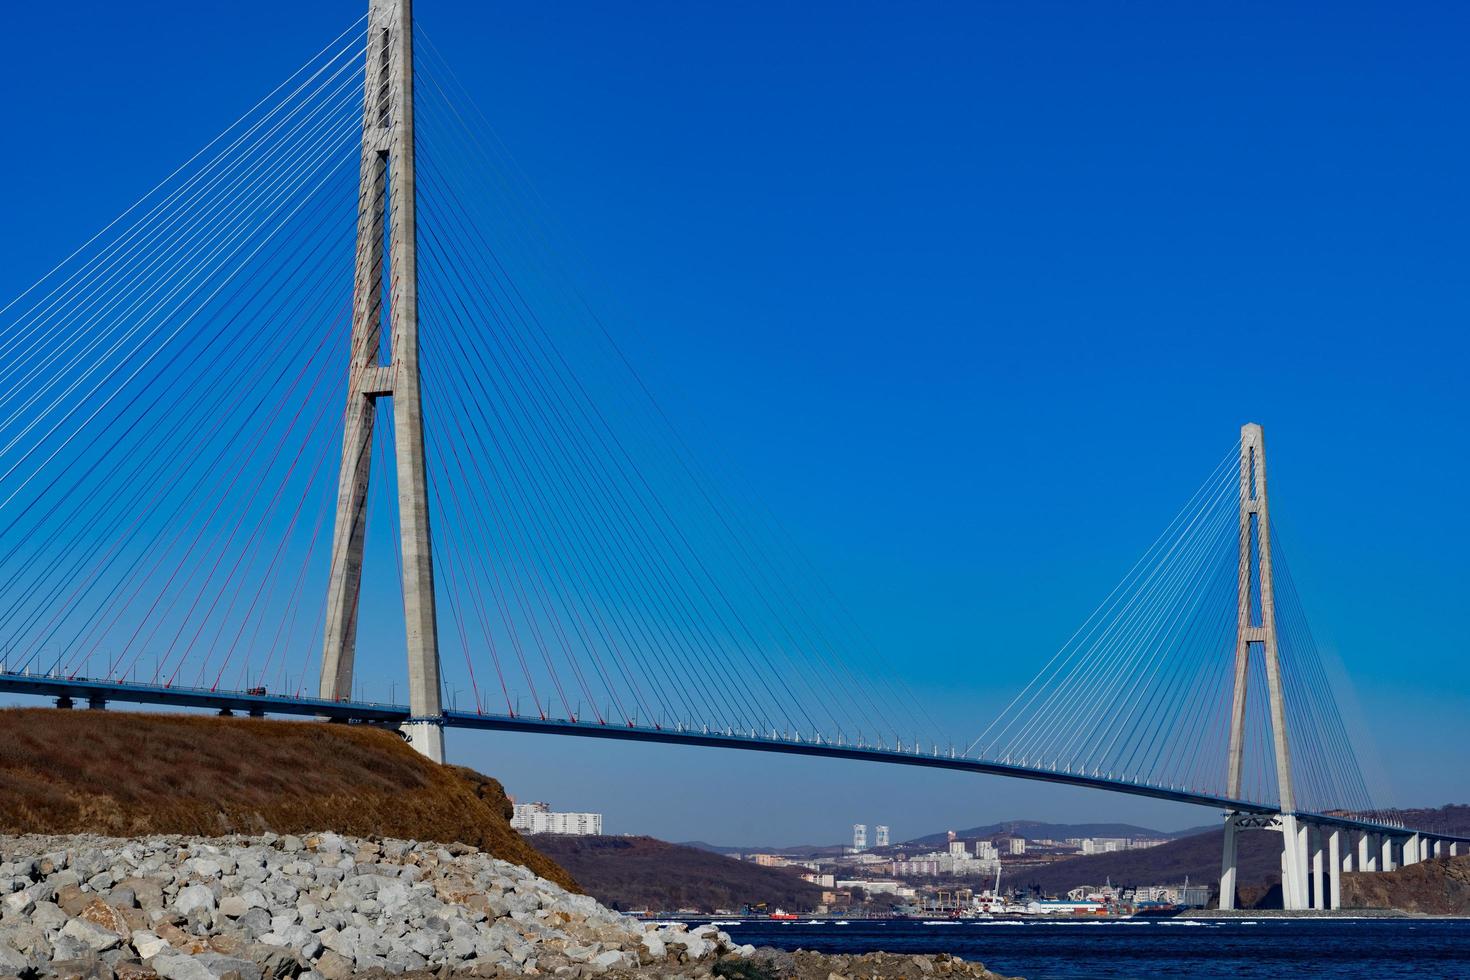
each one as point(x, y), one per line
point(329, 907)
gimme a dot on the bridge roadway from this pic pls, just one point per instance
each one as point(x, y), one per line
point(98, 692)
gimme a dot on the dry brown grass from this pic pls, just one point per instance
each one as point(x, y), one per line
point(127, 774)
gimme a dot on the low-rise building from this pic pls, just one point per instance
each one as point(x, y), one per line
point(1186, 895)
point(539, 818)
point(877, 887)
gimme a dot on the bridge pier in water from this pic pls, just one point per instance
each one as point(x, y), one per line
point(1335, 865)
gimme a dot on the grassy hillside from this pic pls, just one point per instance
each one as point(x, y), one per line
point(128, 774)
point(643, 873)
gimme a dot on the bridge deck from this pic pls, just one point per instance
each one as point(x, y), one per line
point(81, 689)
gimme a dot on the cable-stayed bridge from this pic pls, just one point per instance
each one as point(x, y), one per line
point(192, 517)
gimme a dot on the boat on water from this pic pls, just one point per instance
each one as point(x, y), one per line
point(725, 925)
point(841, 922)
point(781, 915)
point(1156, 909)
point(941, 922)
point(813, 922)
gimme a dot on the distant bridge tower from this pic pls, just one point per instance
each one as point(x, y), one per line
point(1256, 629)
point(386, 204)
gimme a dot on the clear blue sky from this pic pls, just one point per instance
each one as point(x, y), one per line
point(975, 293)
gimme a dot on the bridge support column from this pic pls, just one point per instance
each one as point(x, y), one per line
point(1439, 848)
point(426, 735)
point(1454, 848)
point(1295, 874)
point(1319, 880)
point(1228, 865)
point(1368, 851)
point(1412, 850)
point(1301, 854)
point(1388, 861)
point(1335, 862)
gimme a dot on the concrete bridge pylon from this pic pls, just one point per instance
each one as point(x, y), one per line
point(387, 252)
point(1256, 630)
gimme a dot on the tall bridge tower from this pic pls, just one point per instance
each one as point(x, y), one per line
point(386, 254)
point(1256, 630)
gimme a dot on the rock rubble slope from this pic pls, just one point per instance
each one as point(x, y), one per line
point(329, 907)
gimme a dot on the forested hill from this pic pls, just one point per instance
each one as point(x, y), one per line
point(643, 873)
point(1453, 819)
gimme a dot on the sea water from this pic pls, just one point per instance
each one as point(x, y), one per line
point(1146, 948)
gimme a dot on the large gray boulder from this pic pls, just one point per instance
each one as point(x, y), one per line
point(90, 934)
point(180, 966)
point(193, 897)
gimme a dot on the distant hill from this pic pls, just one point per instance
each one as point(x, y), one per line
point(125, 774)
point(727, 849)
point(1453, 819)
point(1196, 857)
point(1025, 828)
point(644, 873)
point(1034, 829)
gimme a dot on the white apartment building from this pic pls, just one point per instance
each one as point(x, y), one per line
point(955, 861)
point(538, 818)
point(880, 835)
point(859, 837)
